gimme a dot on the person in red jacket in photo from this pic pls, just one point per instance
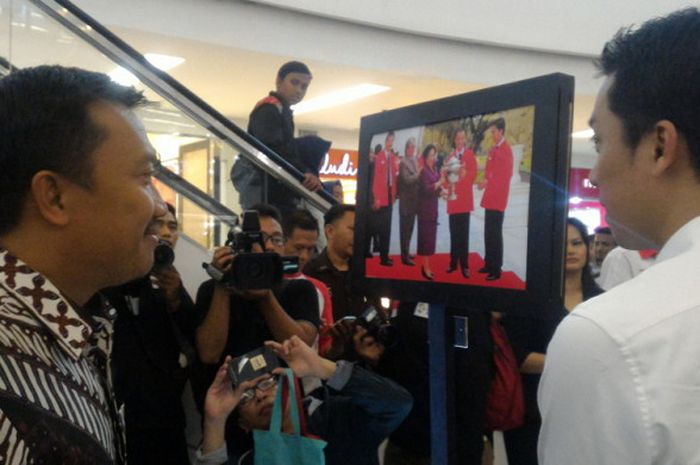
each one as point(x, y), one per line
point(386, 168)
point(496, 186)
point(460, 168)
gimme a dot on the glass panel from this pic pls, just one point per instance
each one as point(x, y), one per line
point(190, 141)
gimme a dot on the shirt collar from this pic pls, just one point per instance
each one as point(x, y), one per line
point(50, 307)
point(683, 239)
point(279, 97)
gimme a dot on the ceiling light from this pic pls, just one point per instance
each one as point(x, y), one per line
point(585, 134)
point(162, 62)
point(339, 97)
point(123, 77)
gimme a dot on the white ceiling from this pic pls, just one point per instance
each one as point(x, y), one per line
point(560, 26)
point(233, 48)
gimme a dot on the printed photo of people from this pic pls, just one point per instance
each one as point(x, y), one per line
point(449, 201)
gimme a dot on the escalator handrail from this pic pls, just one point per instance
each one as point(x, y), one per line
point(179, 95)
point(196, 195)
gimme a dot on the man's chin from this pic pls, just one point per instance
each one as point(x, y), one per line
point(629, 238)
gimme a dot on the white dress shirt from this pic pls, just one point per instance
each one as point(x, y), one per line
point(621, 265)
point(621, 383)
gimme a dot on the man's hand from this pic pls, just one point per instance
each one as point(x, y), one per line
point(223, 258)
point(256, 295)
point(341, 334)
point(481, 186)
point(220, 401)
point(366, 346)
point(221, 397)
point(302, 359)
point(168, 279)
point(311, 182)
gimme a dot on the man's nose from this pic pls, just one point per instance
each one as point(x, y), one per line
point(593, 175)
point(159, 206)
point(164, 232)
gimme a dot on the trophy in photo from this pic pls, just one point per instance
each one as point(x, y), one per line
point(453, 166)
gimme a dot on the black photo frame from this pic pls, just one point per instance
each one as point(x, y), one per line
point(546, 103)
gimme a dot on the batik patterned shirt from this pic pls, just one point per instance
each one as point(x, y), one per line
point(56, 404)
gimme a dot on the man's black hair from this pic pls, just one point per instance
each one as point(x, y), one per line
point(292, 67)
point(500, 124)
point(265, 210)
point(299, 219)
point(657, 77)
point(602, 230)
point(336, 212)
point(45, 125)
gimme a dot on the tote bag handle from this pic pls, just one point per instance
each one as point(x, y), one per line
point(288, 384)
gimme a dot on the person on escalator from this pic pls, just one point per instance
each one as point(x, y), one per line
point(272, 123)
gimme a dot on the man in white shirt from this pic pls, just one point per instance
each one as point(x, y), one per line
point(621, 383)
point(622, 264)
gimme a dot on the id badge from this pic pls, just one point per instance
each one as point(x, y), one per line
point(422, 310)
point(461, 332)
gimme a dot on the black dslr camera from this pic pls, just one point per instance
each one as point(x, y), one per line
point(377, 327)
point(251, 271)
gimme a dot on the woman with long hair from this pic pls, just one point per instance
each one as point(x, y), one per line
point(430, 186)
point(530, 335)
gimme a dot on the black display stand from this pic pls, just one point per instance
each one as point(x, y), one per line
point(441, 386)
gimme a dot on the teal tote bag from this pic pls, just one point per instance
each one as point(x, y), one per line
point(274, 447)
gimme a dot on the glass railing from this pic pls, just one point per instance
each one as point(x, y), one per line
point(197, 145)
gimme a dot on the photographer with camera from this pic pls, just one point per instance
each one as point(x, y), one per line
point(362, 339)
point(234, 320)
point(354, 411)
point(152, 353)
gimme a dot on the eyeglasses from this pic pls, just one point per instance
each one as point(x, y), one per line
point(263, 385)
point(276, 239)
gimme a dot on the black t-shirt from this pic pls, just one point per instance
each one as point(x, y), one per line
point(346, 301)
point(247, 327)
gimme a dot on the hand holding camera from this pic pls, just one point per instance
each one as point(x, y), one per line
point(302, 359)
point(222, 398)
point(165, 276)
point(364, 337)
point(222, 395)
point(366, 346)
point(247, 266)
point(169, 281)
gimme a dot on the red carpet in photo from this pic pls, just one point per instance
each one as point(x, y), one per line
point(438, 265)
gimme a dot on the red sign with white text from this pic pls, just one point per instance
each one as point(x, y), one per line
point(580, 184)
point(340, 163)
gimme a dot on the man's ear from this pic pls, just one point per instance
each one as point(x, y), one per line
point(665, 144)
point(48, 192)
point(328, 230)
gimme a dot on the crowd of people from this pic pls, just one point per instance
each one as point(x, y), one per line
point(98, 336)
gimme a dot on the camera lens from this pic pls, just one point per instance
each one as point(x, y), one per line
point(254, 269)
